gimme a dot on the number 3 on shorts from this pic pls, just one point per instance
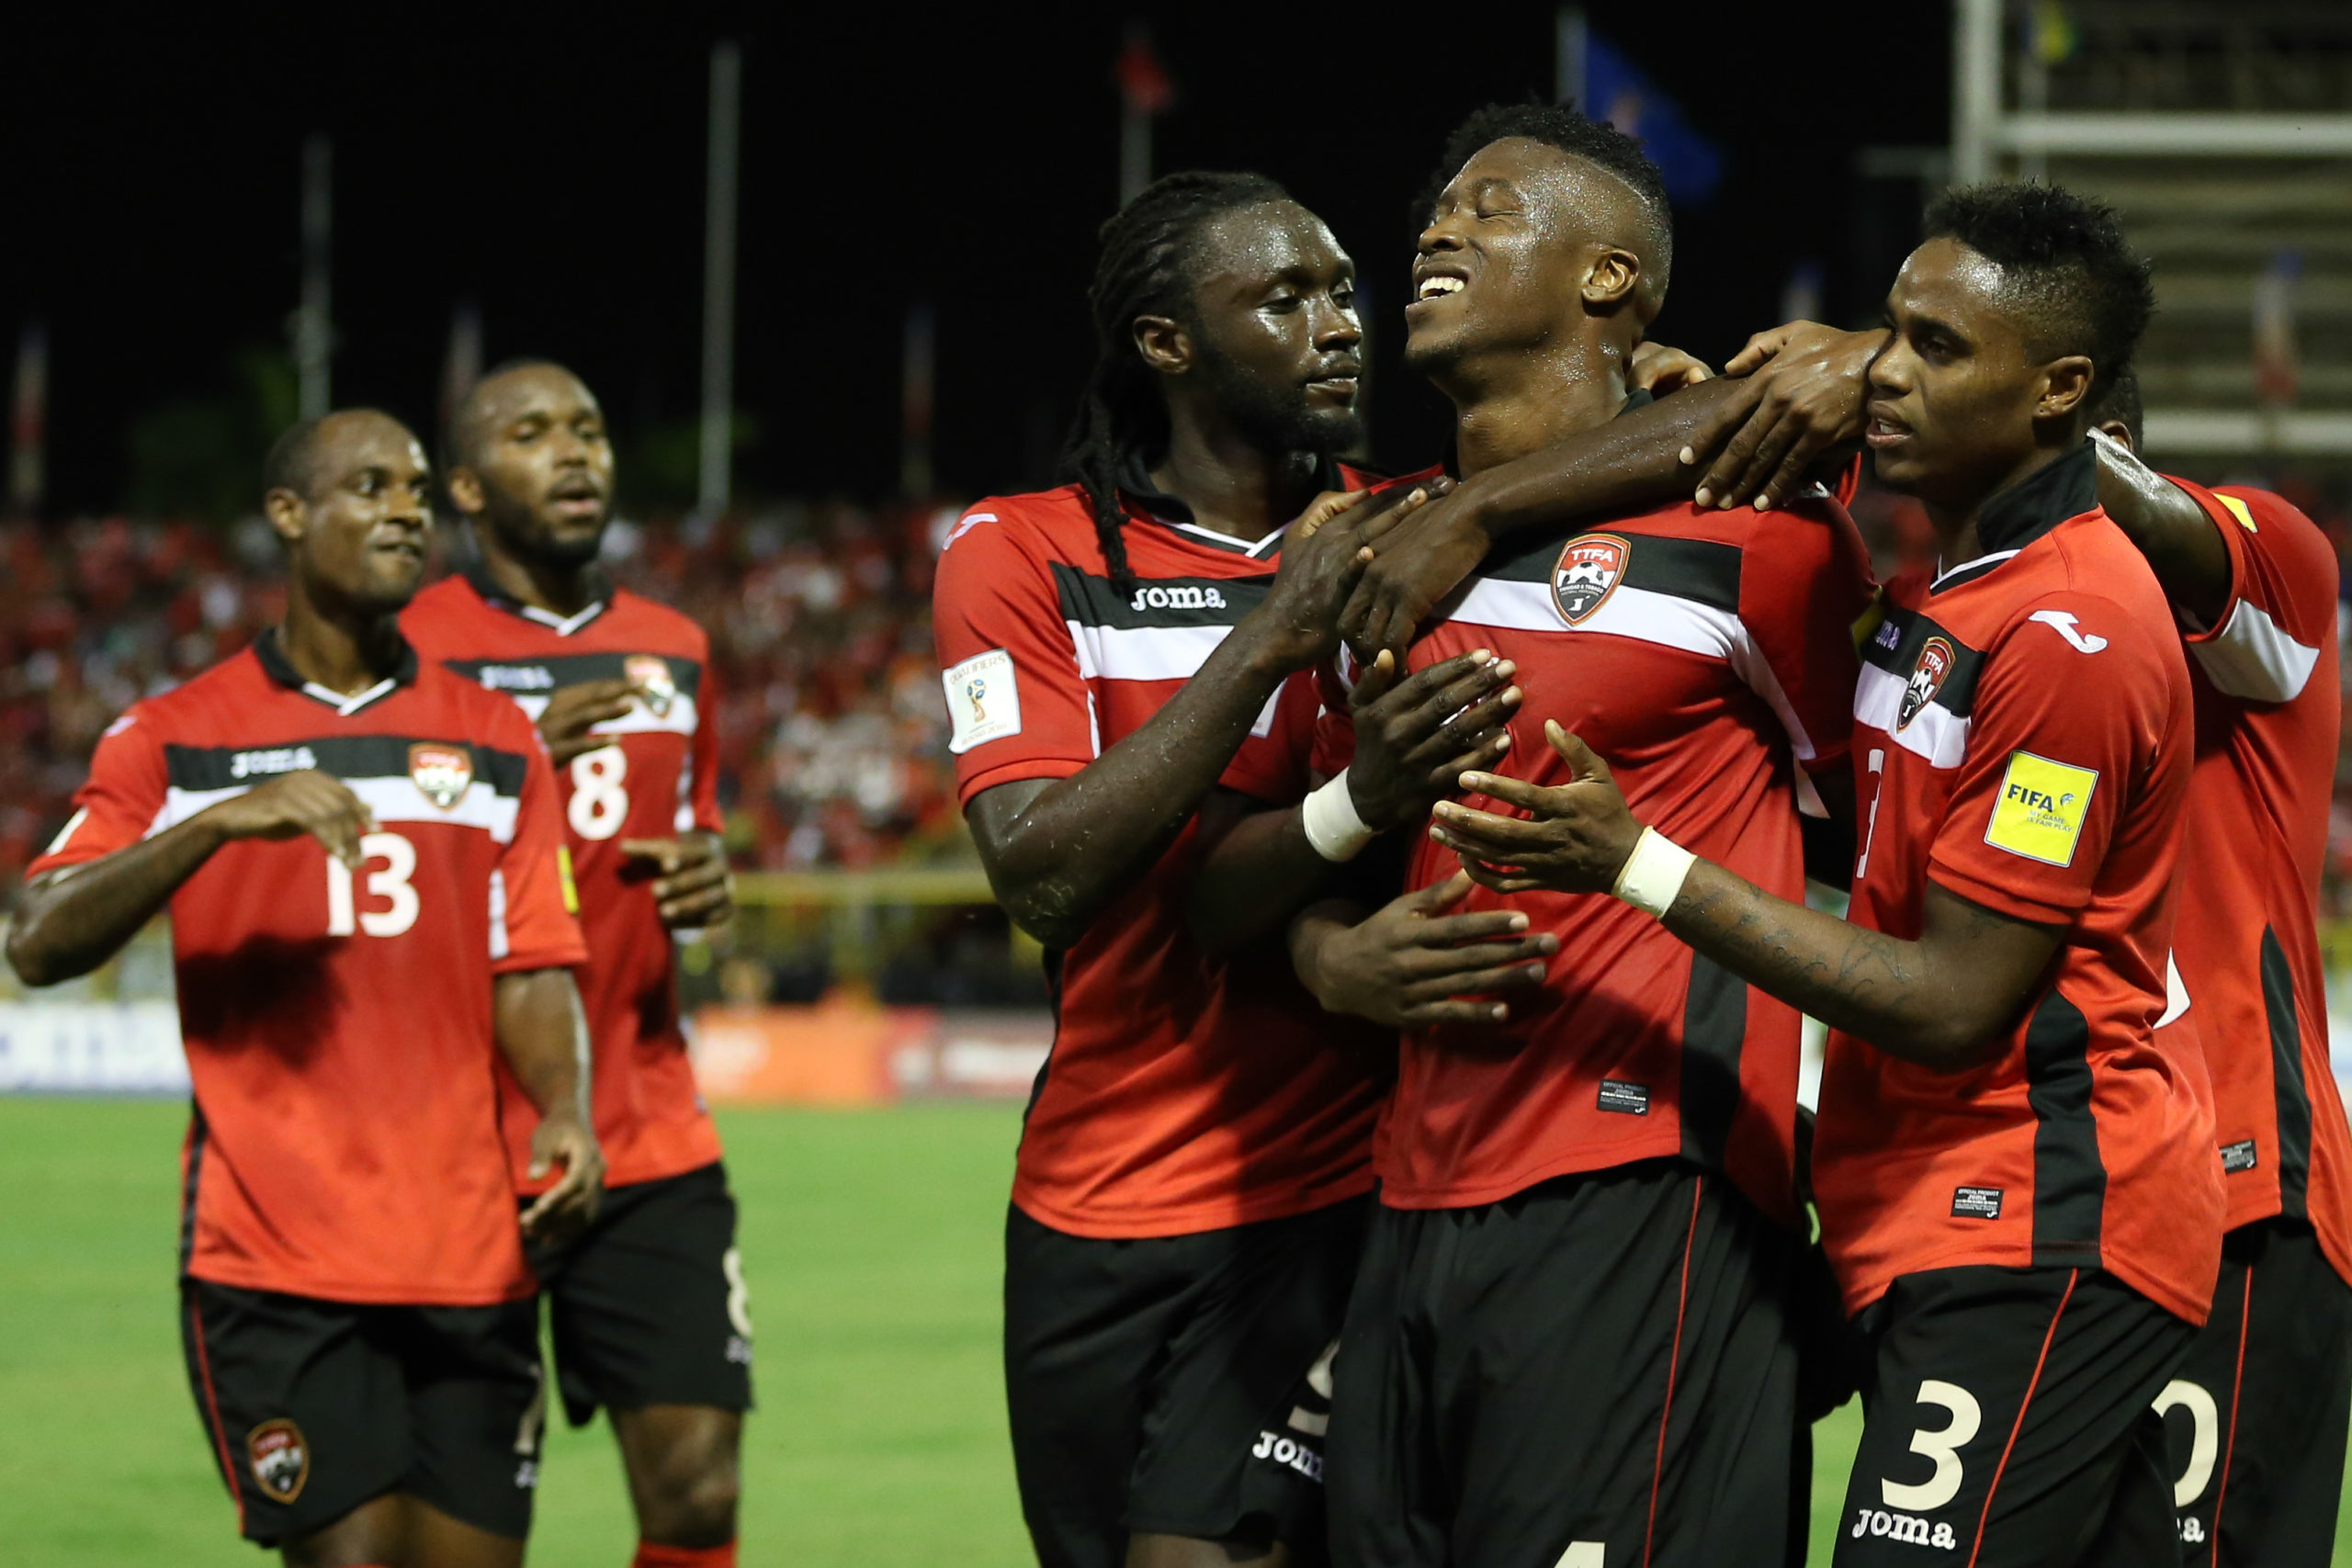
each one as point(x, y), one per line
point(1943, 1446)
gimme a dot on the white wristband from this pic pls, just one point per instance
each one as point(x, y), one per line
point(1329, 815)
point(1653, 874)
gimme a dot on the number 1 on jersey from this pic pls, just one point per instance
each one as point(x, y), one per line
point(599, 805)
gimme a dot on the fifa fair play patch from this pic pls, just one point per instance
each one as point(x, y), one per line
point(2042, 805)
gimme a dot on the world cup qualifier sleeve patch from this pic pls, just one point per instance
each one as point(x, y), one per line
point(983, 700)
point(2041, 809)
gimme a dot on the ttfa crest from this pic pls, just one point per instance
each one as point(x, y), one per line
point(1590, 567)
point(1935, 660)
point(440, 773)
point(649, 675)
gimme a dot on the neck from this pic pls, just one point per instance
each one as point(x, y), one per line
point(560, 588)
point(1958, 540)
point(1521, 403)
point(340, 647)
point(1231, 484)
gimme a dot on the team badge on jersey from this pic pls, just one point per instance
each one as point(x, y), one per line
point(650, 676)
point(1935, 660)
point(440, 773)
point(1590, 567)
point(280, 1458)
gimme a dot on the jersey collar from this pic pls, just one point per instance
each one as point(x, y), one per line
point(2026, 511)
point(278, 668)
point(1146, 499)
point(478, 578)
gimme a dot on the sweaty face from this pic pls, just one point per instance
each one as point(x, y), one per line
point(1506, 253)
point(362, 530)
point(1275, 323)
point(1953, 395)
point(542, 463)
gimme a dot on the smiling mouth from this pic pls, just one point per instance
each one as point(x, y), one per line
point(1437, 284)
point(1881, 431)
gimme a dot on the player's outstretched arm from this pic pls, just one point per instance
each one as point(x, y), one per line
point(1941, 1001)
point(74, 918)
point(1413, 738)
point(1409, 965)
point(2183, 544)
point(543, 1035)
point(1058, 851)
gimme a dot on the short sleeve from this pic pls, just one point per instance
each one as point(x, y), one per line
point(2282, 605)
point(1018, 704)
point(122, 800)
point(534, 909)
point(701, 805)
point(1804, 580)
point(2074, 700)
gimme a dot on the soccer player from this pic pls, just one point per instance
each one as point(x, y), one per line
point(2014, 1163)
point(1569, 1342)
point(369, 908)
point(649, 1310)
point(1188, 1196)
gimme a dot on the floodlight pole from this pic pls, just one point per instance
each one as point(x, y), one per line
point(1568, 34)
point(1975, 89)
point(718, 277)
point(29, 415)
point(313, 322)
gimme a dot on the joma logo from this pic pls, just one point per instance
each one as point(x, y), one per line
point(1180, 597)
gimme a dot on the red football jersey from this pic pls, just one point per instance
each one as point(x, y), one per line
point(656, 780)
point(346, 1142)
point(2269, 707)
point(1183, 1093)
point(2022, 734)
point(1707, 655)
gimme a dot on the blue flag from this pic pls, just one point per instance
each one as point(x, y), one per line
point(1616, 90)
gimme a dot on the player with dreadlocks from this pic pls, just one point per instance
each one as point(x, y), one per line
point(1190, 1191)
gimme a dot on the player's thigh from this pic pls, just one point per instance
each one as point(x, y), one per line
point(1389, 1504)
point(1617, 1378)
point(476, 1411)
point(437, 1540)
point(305, 1415)
point(649, 1307)
point(2007, 1417)
point(1233, 1420)
point(1085, 1322)
point(2278, 1501)
point(683, 1468)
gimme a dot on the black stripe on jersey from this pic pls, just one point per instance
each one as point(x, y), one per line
point(541, 677)
point(2069, 1179)
point(1699, 569)
point(199, 1135)
point(1091, 601)
point(2290, 1095)
point(1895, 646)
point(341, 756)
point(1714, 1028)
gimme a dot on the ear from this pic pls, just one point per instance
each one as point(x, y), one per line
point(1613, 279)
point(465, 490)
point(1165, 347)
point(289, 514)
point(2115, 429)
point(2065, 384)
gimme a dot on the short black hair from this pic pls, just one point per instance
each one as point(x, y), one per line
point(291, 461)
point(2121, 401)
point(1564, 127)
point(1144, 269)
point(2076, 279)
point(458, 438)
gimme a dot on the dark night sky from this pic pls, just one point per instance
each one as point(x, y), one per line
point(549, 167)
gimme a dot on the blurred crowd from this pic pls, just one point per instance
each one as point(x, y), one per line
point(832, 730)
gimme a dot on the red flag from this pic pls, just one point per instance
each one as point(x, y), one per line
point(1143, 81)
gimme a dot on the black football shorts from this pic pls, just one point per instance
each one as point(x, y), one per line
point(1595, 1372)
point(1173, 1385)
point(648, 1305)
point(313, 1407)
point(2255, 1416)
point(2007, 1422)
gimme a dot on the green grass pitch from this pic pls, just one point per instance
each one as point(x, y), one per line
point(871, 1242)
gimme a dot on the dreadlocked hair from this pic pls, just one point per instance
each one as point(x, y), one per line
point(1144, 270)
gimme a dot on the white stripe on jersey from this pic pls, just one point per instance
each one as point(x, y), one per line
point(395, 799)
point(2255, 659)
point(498, 943)
point(1142, 653)
point(2175, 993)
point(638, 720)
point(1645, 616)
point(1935, 732)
